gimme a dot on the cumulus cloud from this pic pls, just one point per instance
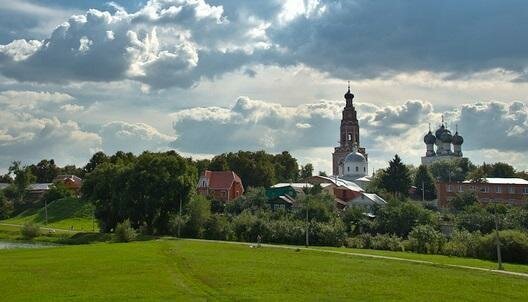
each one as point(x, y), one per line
point(385, 130)
point(13, 99)
point(493, 125)
point(165, 43)
point(133, 137)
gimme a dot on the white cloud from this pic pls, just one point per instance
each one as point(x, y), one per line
point(72, 108)
point(133, 137)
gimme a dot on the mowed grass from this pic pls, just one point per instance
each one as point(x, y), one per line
point(62, 214)
point(176, 270)
point(440, 259)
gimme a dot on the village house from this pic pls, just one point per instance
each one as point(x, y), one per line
point(501, 190)
point(220, 185)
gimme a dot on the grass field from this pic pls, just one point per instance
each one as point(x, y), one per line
point(63, 214)
point(173, 270)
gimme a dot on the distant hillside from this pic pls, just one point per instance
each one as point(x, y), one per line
point(62, 214)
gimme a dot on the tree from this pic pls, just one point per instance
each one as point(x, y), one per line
point(198, 211)
point(501, 170)
point(23, 178)
point(463, 200)
point(6, 206)
point(322, 173)
point(477, 176)
point(6, 178)
point(97, 159)
point(286, 167)
point(45, 171)
point(396, 178)
point(399, 218)
point(57, 191)
point(423, 178)
point(306, 171)
point(448, 170)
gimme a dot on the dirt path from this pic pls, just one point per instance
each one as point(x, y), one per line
point(43, 228)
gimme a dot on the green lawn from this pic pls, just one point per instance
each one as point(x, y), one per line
point(63, 214)
point(176, 270)
point(441, 259)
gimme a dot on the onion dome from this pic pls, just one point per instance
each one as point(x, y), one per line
point(440, 131)
point(429, 138)
point(355, 157)
point(446, 136)
point(349, 95)
point(457, 139)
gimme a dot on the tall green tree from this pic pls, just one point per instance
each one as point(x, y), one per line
point(45, 171)
point(424, 179)
point(198, 210)
point(396, 179)
point(501, 170)
point(97, 159)
point(306, 171)
point(286, 167)
point(23, 178)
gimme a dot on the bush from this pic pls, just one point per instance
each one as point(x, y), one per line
point(386, 242)
point(30, 230)
point(198, 210)
point(514, 246)
point(57, 191)
point(463, 244)
point(425, 239)
point(218, 227)
point(362, 241)
point(124, 232)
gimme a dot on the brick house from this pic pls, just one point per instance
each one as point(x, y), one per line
point(71, 182)
point(504, 190)
point(220, 185)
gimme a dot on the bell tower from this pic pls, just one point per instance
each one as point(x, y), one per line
point(349, 133)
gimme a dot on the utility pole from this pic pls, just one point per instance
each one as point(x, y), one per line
point(93, 219)
point(499, 256)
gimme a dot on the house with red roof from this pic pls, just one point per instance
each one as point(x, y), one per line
point(220, 185)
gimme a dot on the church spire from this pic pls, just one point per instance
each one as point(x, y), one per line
point(349, 96)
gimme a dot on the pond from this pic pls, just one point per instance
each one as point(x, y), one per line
point(23, 245)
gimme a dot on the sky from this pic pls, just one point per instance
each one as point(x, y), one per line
point(205, 77)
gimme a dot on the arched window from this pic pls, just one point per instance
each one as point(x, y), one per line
point(348, 169)
point(364, 169)
point(349, 137)
point(357, 168)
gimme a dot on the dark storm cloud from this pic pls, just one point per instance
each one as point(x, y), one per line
point(357, 39)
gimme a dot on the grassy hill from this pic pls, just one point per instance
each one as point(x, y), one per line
point(175, 270)
point(62, 213)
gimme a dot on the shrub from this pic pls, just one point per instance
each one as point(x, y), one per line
point(57, 191)
point(218, 227)
point(361, 241)
point(177, 222)
point(30, 230)
point(514, 246)
point(425, 239)
point(198, 210)
point(124, 232)
point(463, 244)
point(386, 242)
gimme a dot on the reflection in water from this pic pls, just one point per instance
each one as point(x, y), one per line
point(23, 245)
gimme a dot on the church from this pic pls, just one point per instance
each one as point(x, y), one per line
point(448, 146)
point(349, 160)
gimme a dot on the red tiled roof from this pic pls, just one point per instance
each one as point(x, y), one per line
point(221, 179)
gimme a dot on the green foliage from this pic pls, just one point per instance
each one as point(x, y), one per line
point(463, 244)
point(198, 210)
point(396, 179)
point(306, 171)
point(124, 232)
point(97, 159)
point(463, 200)
point(23, 178)
point(218, 227)
point(452, 169)
point(401, 217)
point(30, 230)
point(57, 191)
point(257, 169)
point(6, 206)
point(254, 199)
point(424, 178)
point(514, 246)
point(475, 218)
point(320, 207)
point(146, 190)
point(425, 239)
point(45, 171)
